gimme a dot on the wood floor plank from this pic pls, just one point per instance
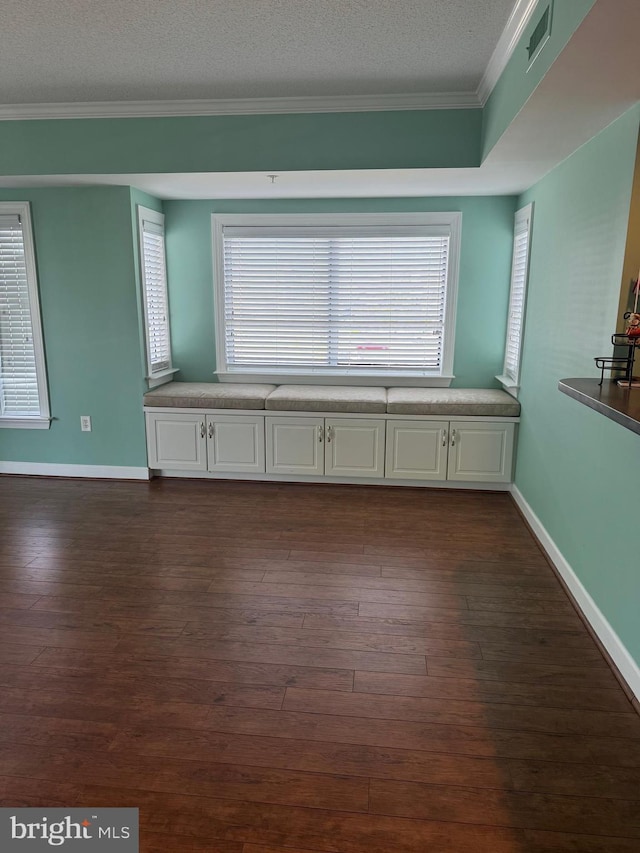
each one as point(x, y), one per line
point(262, 653)
point(235, 672)
point(510, 692)
point(465, 713)
point(577, 639)
point(318, 757)
point(177, 612)
point(589, 815)
point(334, 640)
point(525, 671)
point(498, 618)
point(426, 586)
point(198, 777)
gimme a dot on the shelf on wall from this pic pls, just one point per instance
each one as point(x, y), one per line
point(621, 405)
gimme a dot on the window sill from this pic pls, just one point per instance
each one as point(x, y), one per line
point(162, 377)
point(509, 385)
point(25, 423)
point(413, 381)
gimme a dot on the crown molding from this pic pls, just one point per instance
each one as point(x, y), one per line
point(243, 106)
point(518, 20)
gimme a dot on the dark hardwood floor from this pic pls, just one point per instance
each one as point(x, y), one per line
point(265, 668)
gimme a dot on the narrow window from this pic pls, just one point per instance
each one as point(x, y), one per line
point(517, 298)
point(24, 400)
point(155, 295)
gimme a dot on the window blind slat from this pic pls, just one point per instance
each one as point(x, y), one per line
point(315, 298)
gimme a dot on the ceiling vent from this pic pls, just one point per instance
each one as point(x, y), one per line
point(539, 36)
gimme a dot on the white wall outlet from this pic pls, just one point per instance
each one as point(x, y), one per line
point(85, 423)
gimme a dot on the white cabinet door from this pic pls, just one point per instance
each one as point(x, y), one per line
point(235, 443)
point(295, 445)
point(480, 452)
point(354, 447)
point(177, 441)
point(417, 450)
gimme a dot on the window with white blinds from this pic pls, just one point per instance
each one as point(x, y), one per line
point(154, 284)
point(517, 296)
point(23, 387)
point(335, 299)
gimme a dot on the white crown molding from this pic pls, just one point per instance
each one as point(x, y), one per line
point(243, 106)
point(518, 20)
point(620, 655)
point(54, 469)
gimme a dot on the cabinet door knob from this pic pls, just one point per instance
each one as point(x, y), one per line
point(211, 429)
point(453, 438)
point(329, 434)
point(320, 431)
point(203, 431)
point(444, 438)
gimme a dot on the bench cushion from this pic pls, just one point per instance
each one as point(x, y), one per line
point(209, 395)
point(328, 398)
point(451, 401)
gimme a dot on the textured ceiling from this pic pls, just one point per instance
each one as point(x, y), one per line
point(104, 50)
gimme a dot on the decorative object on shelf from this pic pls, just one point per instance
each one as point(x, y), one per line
point(629, 338)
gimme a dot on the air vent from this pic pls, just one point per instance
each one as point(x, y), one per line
point(540, 36)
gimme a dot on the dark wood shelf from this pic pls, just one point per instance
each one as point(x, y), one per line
point(621, 405)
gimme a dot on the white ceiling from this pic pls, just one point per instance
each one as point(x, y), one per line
point(116, 50)
point(491, 180)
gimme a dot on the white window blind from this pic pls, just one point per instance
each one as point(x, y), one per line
point(156, 303)
point(344, 299)
point(517, 297)
point(21, 394)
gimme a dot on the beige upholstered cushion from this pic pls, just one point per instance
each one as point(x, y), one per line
point(451, 401)
point(328, 398)
point(209, 395)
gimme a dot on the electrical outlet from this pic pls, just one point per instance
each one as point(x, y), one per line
point(85, 423)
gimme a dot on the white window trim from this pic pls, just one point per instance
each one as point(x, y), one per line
point(43, 420)
point(450, 219)
point(524, 216)
point(164, 374)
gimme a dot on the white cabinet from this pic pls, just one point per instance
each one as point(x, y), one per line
point(295, 445)
point(354, 447)
point(177, 441)
point(480, 452)
point(235, 443)
point(181, 441)
point(336, 447)
point(417, 450)
point(347, 447)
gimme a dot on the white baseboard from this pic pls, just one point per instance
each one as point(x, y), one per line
point(627, 666)
point(54, 469)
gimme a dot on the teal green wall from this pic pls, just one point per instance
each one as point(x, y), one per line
point(487, 234)
point(577, 469)
point(85, 260)
point(516, 83)
point(376, 140)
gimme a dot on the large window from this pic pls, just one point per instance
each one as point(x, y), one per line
point(330, 295)
point(517, 299)
point(155, 295)
point(24, 400)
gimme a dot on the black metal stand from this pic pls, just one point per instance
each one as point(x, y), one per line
point(624, 363)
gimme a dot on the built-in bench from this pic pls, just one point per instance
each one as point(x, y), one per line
point(360, 399)
point(333, 433)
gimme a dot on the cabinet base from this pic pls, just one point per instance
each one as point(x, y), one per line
point(353, 481)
